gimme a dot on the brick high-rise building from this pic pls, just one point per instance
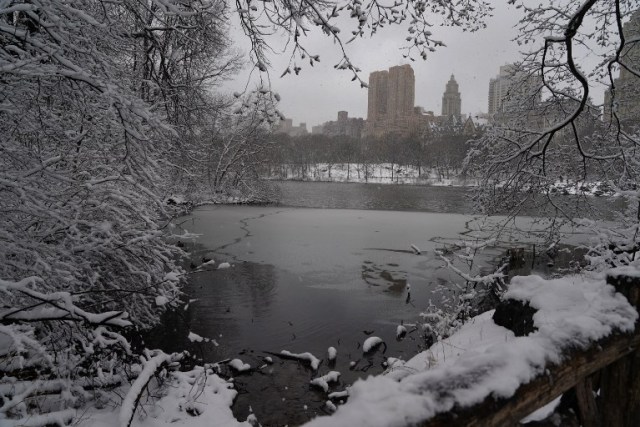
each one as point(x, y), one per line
point(451, 101)
point(401, 91)
point(391, 100)
point(377, 100)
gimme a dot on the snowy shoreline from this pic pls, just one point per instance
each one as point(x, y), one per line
point(382, 173)
point(483, 359)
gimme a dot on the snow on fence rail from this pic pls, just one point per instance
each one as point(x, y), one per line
point(575, 335)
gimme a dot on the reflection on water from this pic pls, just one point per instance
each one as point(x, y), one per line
point(372, 196)
point(389, 276)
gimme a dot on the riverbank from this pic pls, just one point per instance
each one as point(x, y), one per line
point(378, 173)
point(387, 173)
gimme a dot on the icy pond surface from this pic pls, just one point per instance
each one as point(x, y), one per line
point(303, 278)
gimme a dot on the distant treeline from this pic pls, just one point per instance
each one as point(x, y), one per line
point(443, 152)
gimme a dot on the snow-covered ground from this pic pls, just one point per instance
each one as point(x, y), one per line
point(596, 188)
point(198, 398)
point(387, 173)
point(380, 173)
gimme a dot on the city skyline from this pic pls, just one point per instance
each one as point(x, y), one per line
point(317, 93)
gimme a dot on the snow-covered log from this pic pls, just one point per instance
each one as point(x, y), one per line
point(307, 357)
point(485, 375)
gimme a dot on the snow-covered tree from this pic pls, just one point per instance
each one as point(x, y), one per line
point(551, 137)
point(343, 21)
point(102, 104)
point(81, 153)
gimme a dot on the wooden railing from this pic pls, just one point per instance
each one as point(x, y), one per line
point(604, 381)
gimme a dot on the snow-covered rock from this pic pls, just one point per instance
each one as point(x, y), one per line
point(194, 337)
point(332, 353)
point(331, 407)
point(371, 343)
point(401, 331)
point(223, 265)
point(239, 365)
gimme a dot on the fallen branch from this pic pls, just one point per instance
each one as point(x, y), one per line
point(132, 399)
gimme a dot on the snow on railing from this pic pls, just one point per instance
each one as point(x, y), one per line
point(576, 335)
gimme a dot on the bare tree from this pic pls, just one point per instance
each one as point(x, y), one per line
point(551, 138)
point(296, 19)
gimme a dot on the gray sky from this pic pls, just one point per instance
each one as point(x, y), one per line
point(319, 92)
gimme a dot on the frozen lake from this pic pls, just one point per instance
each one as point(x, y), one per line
point(304, 278)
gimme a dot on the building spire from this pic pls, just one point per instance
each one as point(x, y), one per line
point(451, 101)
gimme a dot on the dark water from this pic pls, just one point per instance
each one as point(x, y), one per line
point(439, 199)
point(375, 196)
point(328, 266)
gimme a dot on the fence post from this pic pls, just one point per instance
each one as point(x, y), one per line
point(620, 381)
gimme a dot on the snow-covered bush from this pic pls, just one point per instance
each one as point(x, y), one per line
point(83, 258)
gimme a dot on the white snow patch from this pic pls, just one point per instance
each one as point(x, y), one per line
point(393, 363)
point(194, 337)
point(330, 406)
point(199, 391)
point(332, 353)
point(338, 394)
point(542, 413)
point(172, 276)
point(323, 381)
point(252, 419)
point(239, 365)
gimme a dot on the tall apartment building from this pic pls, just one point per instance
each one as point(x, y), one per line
point(626, 94)
point(499, 88)
point(377, 95)
point(401, 91)
point(451, 100)
point(391, 100)
point(513, 91)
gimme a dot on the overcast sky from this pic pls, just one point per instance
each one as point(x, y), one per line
point(319, 92)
